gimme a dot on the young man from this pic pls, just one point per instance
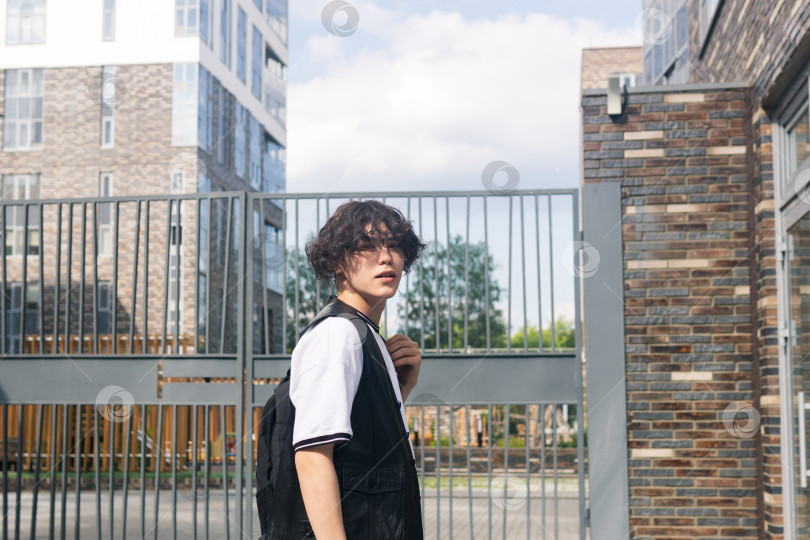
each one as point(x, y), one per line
point(353, 455)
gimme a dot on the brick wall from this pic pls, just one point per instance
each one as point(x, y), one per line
point(751, 41)
point(685, 163)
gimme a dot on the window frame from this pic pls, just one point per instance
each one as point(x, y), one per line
point(241, 45)
point(105, 214)
point(188, 7)
point(34, 248)
point(34, 75)
point(108, 31)
point(706, 22)
point(9, 24)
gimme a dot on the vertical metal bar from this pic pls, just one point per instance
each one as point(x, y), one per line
point(509, 286)
point(52, 466)
point(63, 514)
point(507, 408)
point(5, 464)
point(167, 279)
point(227, 272)
point(95, 280)
point(486, 278)
point(297, 275)
point(135, 288)
point(438, 439)
point(385, 312)
point(17, 489)
point(580, 385)
point(194, 471)
point(284, 276)
point(539, 287)
point(111, 465)
point(143, 455)
point(469, 465)
point(225, 474)
point(37, 457)
point(24, 279)
point(114, 347)
point(467, 285)
point(551, 277)
point(158, 465)
point(146, 285)
point(318, 281)
point(244, 405)
point(41, 283)
point(527, 443)
point(543, 465)
point(58, 279)
point(438, 330)
point(68, 287)
point(197, 257)
point(209, 264)
point(78, 464)
point(127, 446)
point(407, 278)
point(263, 259)
point(422, 455)
point(556, 495)
point(449, 303)
point(421, 291)
point(97, 470)
point(523, 274)
point(489, 457)
point(206, 428)
point(6, 297)
point(174, 465)
point(450, 467)
point(177, 272)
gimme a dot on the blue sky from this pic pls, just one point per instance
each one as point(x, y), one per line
point(424, 94)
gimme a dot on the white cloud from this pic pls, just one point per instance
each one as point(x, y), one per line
point(426, 101)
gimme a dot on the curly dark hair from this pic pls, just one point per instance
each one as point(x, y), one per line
point(345, 233)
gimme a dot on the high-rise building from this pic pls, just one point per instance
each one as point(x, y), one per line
point(157, 97)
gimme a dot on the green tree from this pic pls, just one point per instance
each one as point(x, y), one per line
point(469, 277)
point(563, 335)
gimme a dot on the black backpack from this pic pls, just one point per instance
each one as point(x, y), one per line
point(274, 446)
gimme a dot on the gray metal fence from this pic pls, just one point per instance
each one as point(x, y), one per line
point(142, 336)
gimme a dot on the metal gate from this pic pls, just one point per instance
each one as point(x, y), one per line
point(143, 335)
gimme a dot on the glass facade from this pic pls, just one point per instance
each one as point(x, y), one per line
point(276, 14)
point(184, 104)
point(239, 140)
point(255, 153)
point(666, 42)
point(256, 50)
point(241, 46)
point(205, 110)
point(274, 165)
point(225, 32)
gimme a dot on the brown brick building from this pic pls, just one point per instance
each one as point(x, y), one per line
point(716, 236)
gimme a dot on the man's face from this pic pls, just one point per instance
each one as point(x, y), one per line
point(374, 272)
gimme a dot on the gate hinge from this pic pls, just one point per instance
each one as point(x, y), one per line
point(588, 517)
point(788, 333)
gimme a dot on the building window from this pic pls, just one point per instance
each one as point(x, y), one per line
point(104, 313)
point(225, 33)
point(258, 4)
point(275, 87)
point(185, 21)
point(176, 180)
point(255, 154)
point(205, 113)
point(108, 21)
point(205, 20)
point(276, 16)
point(25, 22)
point(184, 105)
point(273, 258)
point(222, 128)
point(23, 109)
point(239, 140)
point(105, 217)
point(14, 303)
point(256, 63)
point(708, 11)
point(108, 100)
point(19, 187)
point(273, 166)
point(241, 45)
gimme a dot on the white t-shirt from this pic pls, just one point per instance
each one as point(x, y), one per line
point(325, 373)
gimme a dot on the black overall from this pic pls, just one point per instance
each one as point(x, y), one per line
point(376, 472)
